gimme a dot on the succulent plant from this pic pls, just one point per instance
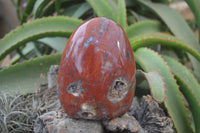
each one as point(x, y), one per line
point(169, 80)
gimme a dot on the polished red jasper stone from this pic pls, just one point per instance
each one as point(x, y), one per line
point(97, 71)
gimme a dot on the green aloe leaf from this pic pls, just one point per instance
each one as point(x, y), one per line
point(195, 7)
point(57, 6)
point(57, 43)
point(49, 9)
point(26, 77)
point(18, 9)
point(37, 49)
point(69, 11)
point(113, 5)
point(162, 39)
point(189, 87)
point(102, 9)
point(81, 10)
point(38, 7)
point(121, 17)
point(151, 61)
point(177, 26)
point(174, 21)
point(45, 27)
point(156, 84)
point(26, 50)
point(143, 27)
point(27, 11)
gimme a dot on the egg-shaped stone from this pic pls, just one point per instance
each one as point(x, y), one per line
point(97, 71)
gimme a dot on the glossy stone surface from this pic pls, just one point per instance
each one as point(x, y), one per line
point(97, 72)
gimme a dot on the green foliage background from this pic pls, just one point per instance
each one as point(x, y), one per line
point(168, 40)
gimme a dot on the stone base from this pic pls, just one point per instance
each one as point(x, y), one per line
point(142, 117)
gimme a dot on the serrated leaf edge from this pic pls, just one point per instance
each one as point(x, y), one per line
point(30, 60)
point(176, 84)
point(151, 88)
point(153, 36)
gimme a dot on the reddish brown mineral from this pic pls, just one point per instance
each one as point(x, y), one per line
point(97, 72)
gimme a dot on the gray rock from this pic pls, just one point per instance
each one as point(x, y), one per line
point(53, 76)
point(59, 122)
point(142, 117)
point(83, 126)
point(125, 123)
point(150, 116)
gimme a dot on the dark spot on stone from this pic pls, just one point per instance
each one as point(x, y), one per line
point(87, 111)
point(86, 114)
point(118, 90)
point(75, 88)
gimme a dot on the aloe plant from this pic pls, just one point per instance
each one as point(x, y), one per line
point(170, 81)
